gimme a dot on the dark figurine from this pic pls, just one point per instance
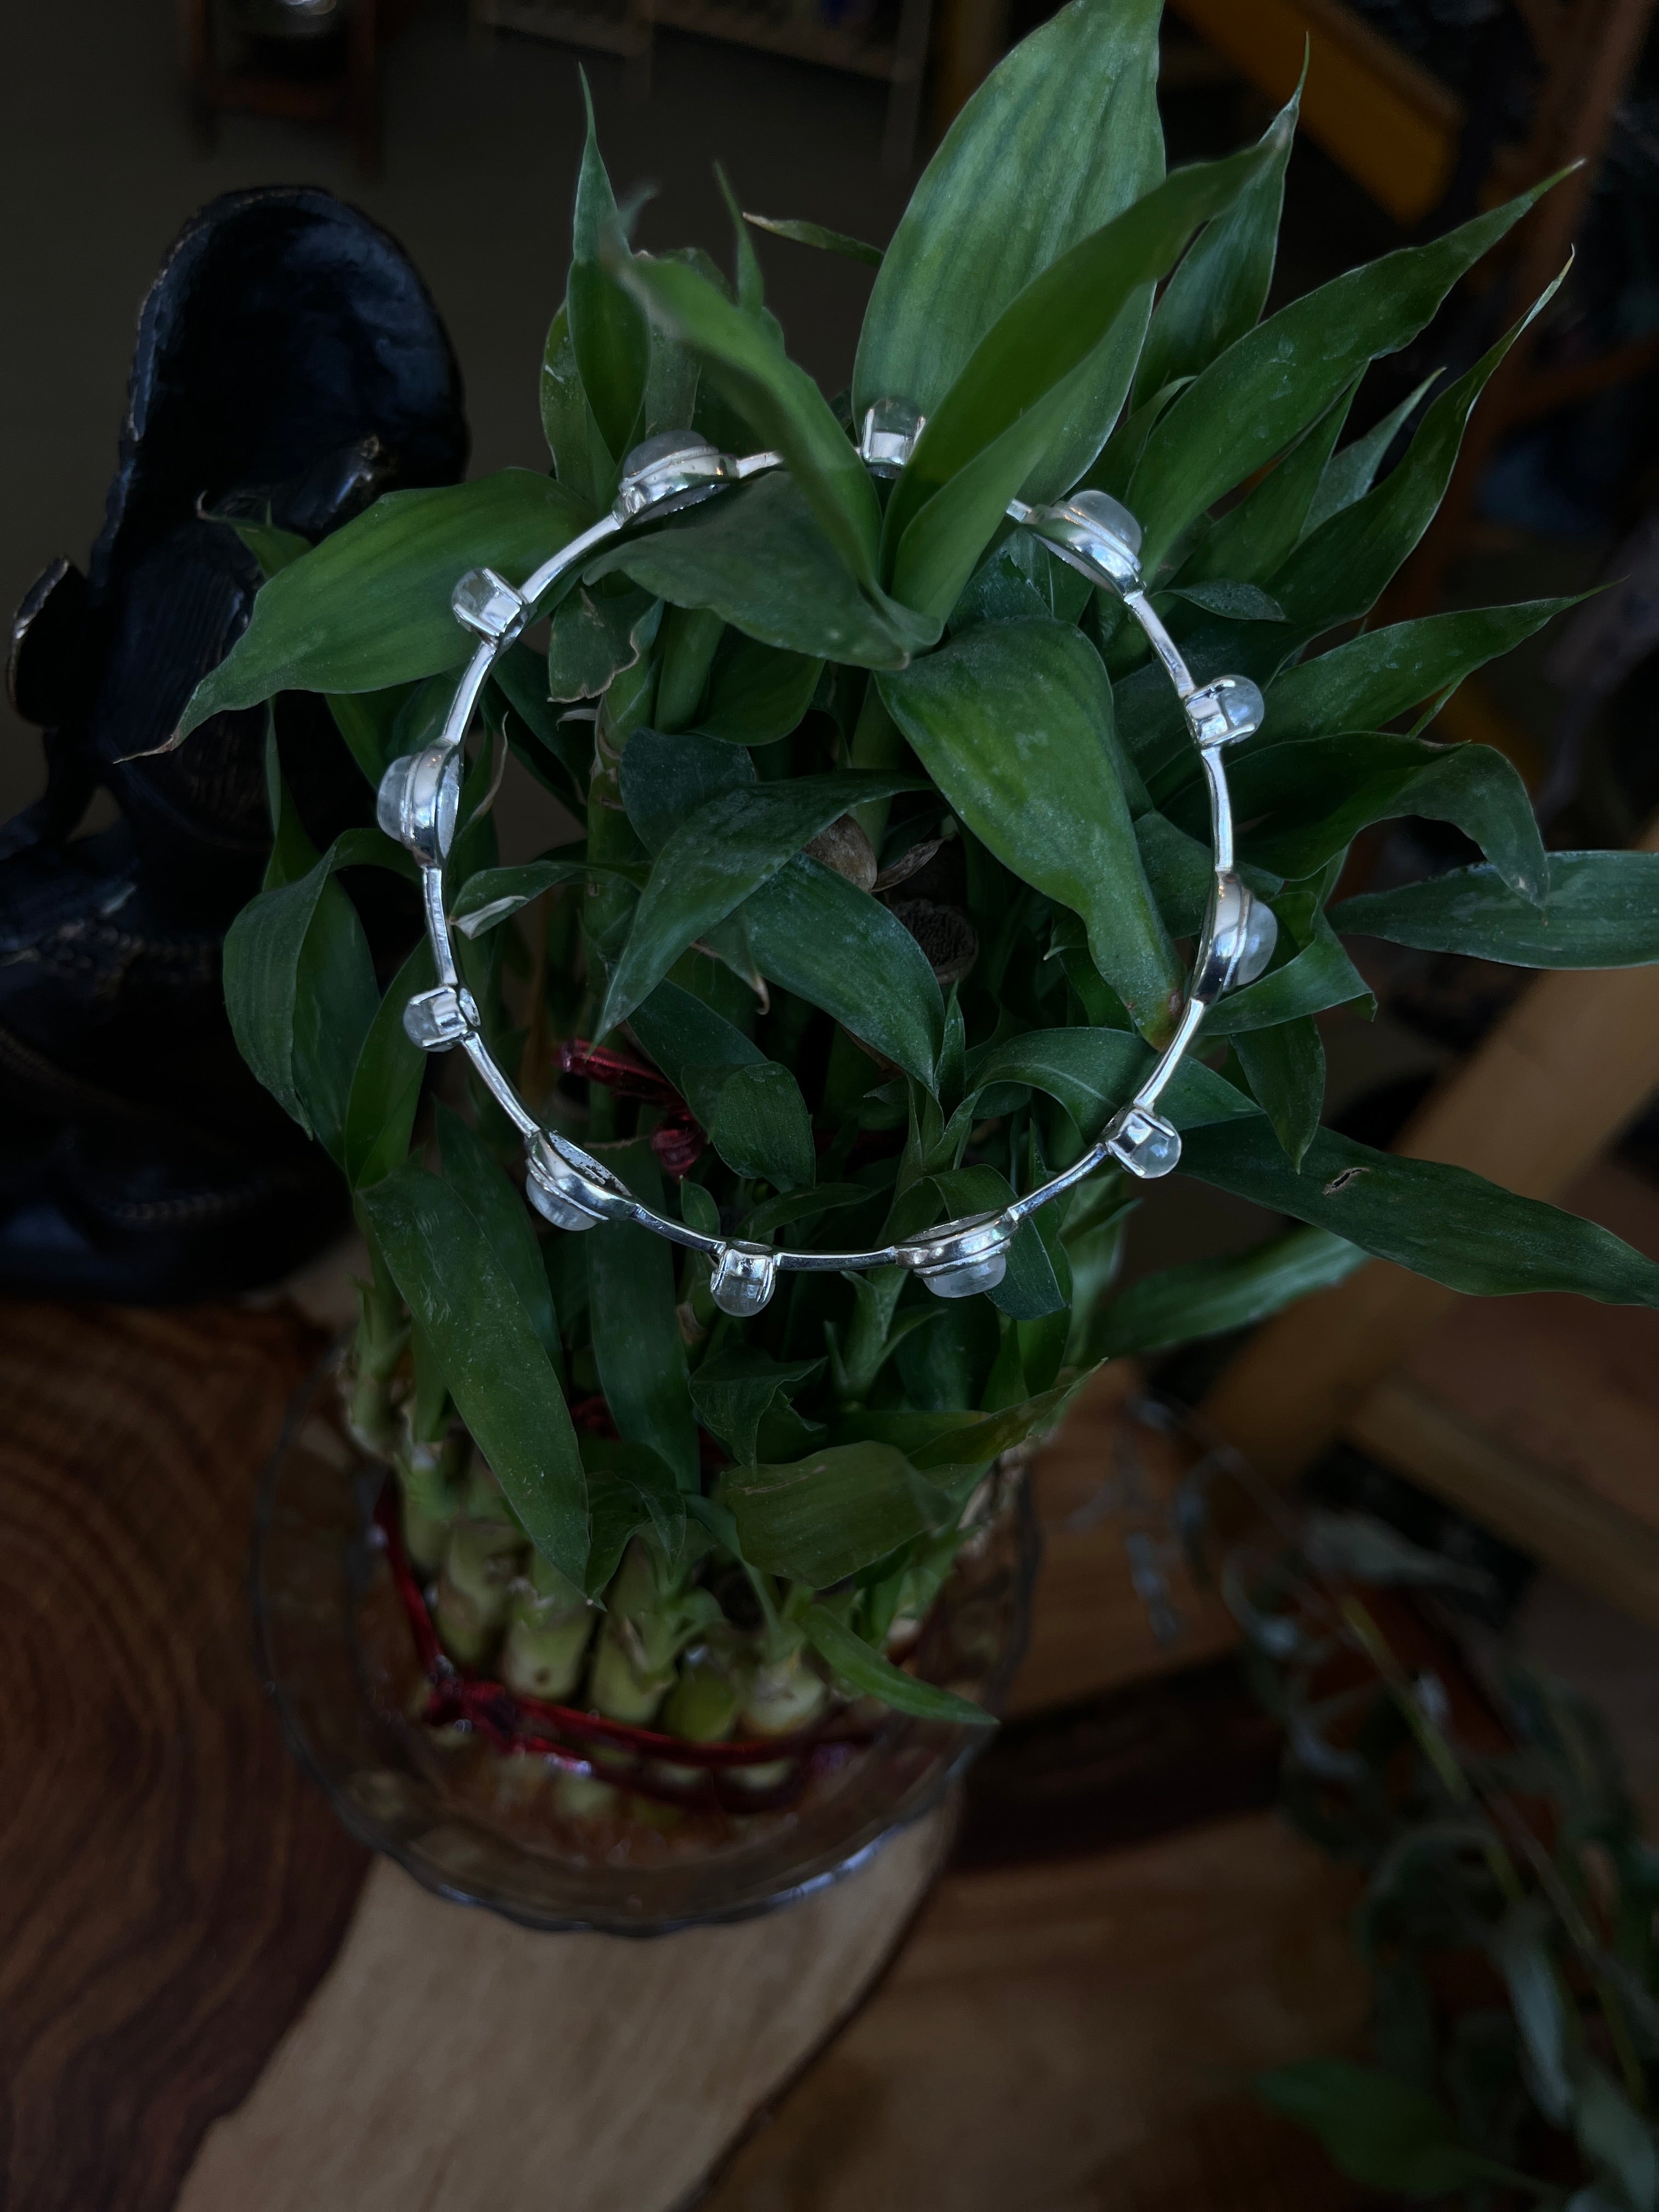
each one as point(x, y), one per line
point(289, 360)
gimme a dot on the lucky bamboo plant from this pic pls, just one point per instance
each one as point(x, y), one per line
point(891, 839)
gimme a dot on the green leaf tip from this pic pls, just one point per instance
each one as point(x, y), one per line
point(867, 1670)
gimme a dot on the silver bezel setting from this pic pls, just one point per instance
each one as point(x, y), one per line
point(1223, 962)
point(745, 1278)
point(888, 435)
point(1224, 711)
point(419, 796)
point(1093, 533)
point(669, 472)
point(962, 1257)
point(488, 606)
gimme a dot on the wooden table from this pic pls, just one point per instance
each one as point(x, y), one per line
point(210, 1998)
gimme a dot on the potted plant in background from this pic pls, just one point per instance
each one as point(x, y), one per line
point(1508, 1908)
point(893, 834)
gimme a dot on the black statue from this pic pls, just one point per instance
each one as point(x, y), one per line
point(288, 358)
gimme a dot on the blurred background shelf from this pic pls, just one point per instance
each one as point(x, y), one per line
point(303, 61)
point(887, 43)
point(1377, 112)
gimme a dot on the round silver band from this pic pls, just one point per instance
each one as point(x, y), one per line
point(419, 797)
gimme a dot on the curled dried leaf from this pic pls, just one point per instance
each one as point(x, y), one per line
point(907, 865)
point(844, 848)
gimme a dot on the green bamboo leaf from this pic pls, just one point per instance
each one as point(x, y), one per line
point(272, 548)
point(1268, 385)
point(804, 1206)
point(564, 772)
point(1118, 457)
point(1518, 1949)
point(609, 333)
point(867, 1671)
point(727, 944)
point(1382, 673)
point(948, 1358)
point(1219, 292)
point(824, 1516)
point(1339, 571)
point(756, 693)
point(720, 853)
point(1617, 2141)
point(1350, 473)
point(504, 1385)
point(629, 1490)
point(1442, 1221)
point(1059, 358)
point(333, 1008)
point(420, 718)
point(301, 992)
point(1230, 599)
point(752, 1107)
point(637, 1345)
point(1254, 538)
point(1321, 974)
point(487, 897)
point(1601, 911)
point(690, 637)
point(1092, 1072)
point(1180, 869)
point(502, 1219)
point(736, 1387)
point(1012, 721)
point(949, 1444)
point(759, 558)
point(1384, 2133)
point(1307, 799)
point(750, 282)
point(674, 392)
point(1284, 1067)
point(1062, 136)
point(385, 1084)
point(579, 460)
point(999, 591)
point(369, 607)
point(664, 780)
point(1211, 1298)
point(814, 933)
point(593, 637)
point(814, 234)
point(292, 854)
point(779, 398)
point(681, 1033)
point(756, 1120)
point(368, 720)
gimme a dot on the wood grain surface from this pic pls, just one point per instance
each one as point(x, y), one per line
point(1116, 1602)
point(171, 1889)
point(452, 2062)
point(1082, 2035)
point(183, 1977)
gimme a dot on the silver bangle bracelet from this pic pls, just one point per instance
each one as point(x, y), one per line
point(420, 795)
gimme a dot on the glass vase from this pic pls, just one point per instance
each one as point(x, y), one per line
point(561, 1842)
